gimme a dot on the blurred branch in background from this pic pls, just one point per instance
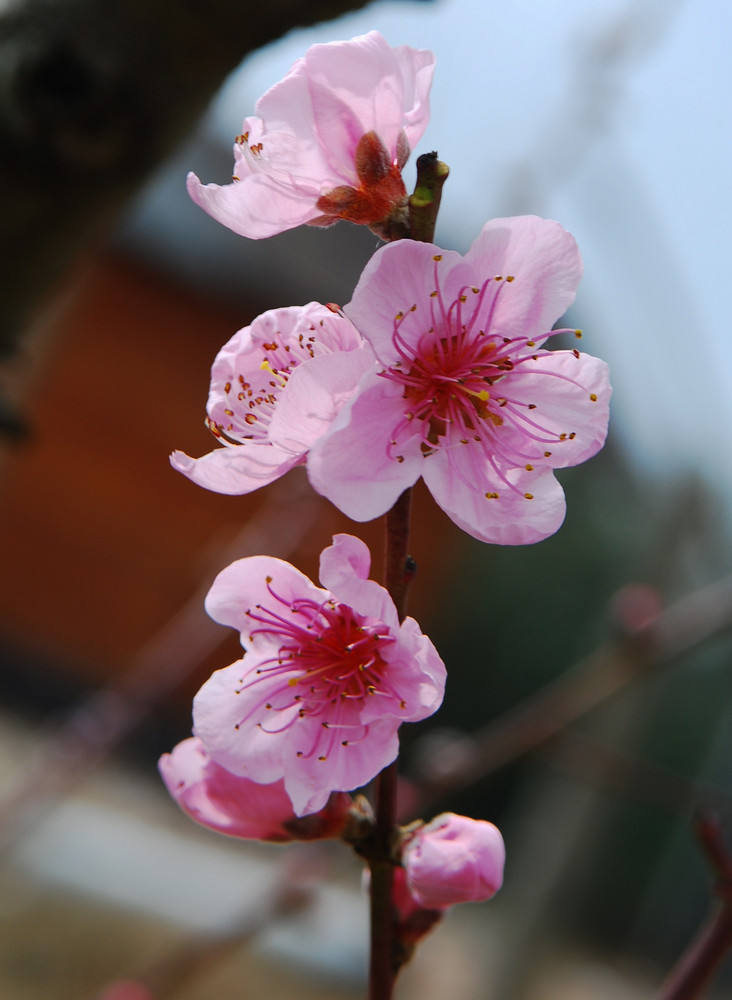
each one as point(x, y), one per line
point(109, 715)
point(697, 965)
point(593, 103)
point(652, 640)
point(290, 892)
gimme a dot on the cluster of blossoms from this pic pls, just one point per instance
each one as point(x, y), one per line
point(436, 368)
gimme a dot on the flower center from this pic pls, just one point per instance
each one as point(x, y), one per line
point(463, 384)
point(327, 663)
point(447, 387)
point(249, 400)
point(448, 380)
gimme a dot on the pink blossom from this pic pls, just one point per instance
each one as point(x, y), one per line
point(327, 678)
point(238, 807)
point(249, 378)
point(327, 142)
point(465, 396)
point(126, 989)
point(454, 859)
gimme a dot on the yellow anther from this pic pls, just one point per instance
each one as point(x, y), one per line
point(265, 366)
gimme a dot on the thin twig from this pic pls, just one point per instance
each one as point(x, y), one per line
point(196, 954)
point(656, 644)
point(398, 574)
point(694, 971)
point(110, 714)
point(634, 777)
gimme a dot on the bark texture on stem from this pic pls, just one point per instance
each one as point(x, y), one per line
point(398, 574)
point(424, 204)
point(399, 570)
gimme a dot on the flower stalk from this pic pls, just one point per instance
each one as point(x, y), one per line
point(399, 570)
point(696, 967)
point(398, 574)
point(424, 204)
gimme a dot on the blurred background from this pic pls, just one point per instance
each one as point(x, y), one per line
point(612, 117)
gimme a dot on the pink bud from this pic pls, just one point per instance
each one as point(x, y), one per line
point(238, 807)
point(126, 989)
point(454, 859)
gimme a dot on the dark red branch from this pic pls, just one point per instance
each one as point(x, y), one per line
point(697, 966)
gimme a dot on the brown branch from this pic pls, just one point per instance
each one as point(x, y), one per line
point(106, 717)
point(398, 574)
point(197, 954)
point(697, 966)
point(634, 777)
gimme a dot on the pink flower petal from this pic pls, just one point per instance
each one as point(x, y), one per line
point(570, 395)
point(316, 392)
point(404, 273)
point(303, 142)
point(521, 507)
point(238, 807)
point(242, 585)
point(309, 783)
point(344, 570)
point(126, 989)
point(546, 266)
point(268, 207)
point(229, 725)
point(215, 798)
point(326, 680)
point(236, 470)
point(250, 381)
point(468, 398)
point(354, 464)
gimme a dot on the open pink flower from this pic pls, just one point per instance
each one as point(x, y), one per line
point(327, 678)
point(249, 378)
point(454, 859)
point(238, 807)
point(466, 397)
point(126, 989)
point(327, 142)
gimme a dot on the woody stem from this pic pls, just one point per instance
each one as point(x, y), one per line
point(398, 574)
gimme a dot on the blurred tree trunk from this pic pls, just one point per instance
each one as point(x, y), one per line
point(93, 94)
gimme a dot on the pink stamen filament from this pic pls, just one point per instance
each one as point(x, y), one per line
point(448, 381)
point(333, 660)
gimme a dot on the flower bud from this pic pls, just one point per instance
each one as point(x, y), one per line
point(238, 807)
point(454, 859)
